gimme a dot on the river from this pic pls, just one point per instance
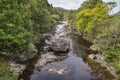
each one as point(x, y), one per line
point(80, 67)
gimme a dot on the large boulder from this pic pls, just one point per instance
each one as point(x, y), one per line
point(59, 44)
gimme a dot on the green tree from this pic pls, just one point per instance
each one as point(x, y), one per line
point(22, 21)
point(15, 27)
point(88, 17)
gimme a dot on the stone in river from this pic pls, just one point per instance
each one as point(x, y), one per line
point(59, 44)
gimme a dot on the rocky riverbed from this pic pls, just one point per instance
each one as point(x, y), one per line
point(55, 49)
point(63, 56)
point(49, 57)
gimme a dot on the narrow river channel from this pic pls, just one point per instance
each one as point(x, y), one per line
point(79, 66)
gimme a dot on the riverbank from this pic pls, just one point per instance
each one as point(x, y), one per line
point(95, 52)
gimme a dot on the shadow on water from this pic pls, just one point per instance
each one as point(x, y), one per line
point(80, 67)
point(99, 72)
point(29, 67)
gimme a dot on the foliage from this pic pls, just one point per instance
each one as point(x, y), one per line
point(101, 29)
point(112, 55)
point(112, 51)
point(89, 4)
point(22, 21)
point(15, 27)
point(86, 18)
point(70, 16)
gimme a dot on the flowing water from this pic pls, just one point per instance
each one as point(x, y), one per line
point(79, 66)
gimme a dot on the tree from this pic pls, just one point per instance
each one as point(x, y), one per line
point(88, 17)
point(89, 4)
point(15, 27)
point(111, 5)
point(21, 22)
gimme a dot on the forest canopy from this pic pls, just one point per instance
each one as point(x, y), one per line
point(22, 21)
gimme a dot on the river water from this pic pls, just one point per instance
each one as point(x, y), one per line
point(80, 67)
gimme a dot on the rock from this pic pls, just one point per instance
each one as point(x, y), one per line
point(48, 58)
point(100, 59)
point(61, 71)
point(46, 48)
point(51, 70)
point(57, 67)
point(59, 44)
point(92, 56)
point(94, 48)
point(26, 54)
point(47, 36)
point(97, 57)
point(14, 67)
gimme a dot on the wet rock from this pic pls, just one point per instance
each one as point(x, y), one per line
point(61, 35)
point(48, 58)
point(60, 71)
point(57, 67)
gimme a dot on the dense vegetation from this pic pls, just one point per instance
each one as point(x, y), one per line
point(21, 24)
point(93, 21)
point(23, 21)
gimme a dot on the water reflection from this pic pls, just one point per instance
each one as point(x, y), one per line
point(79, 66)
point(80, 69)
